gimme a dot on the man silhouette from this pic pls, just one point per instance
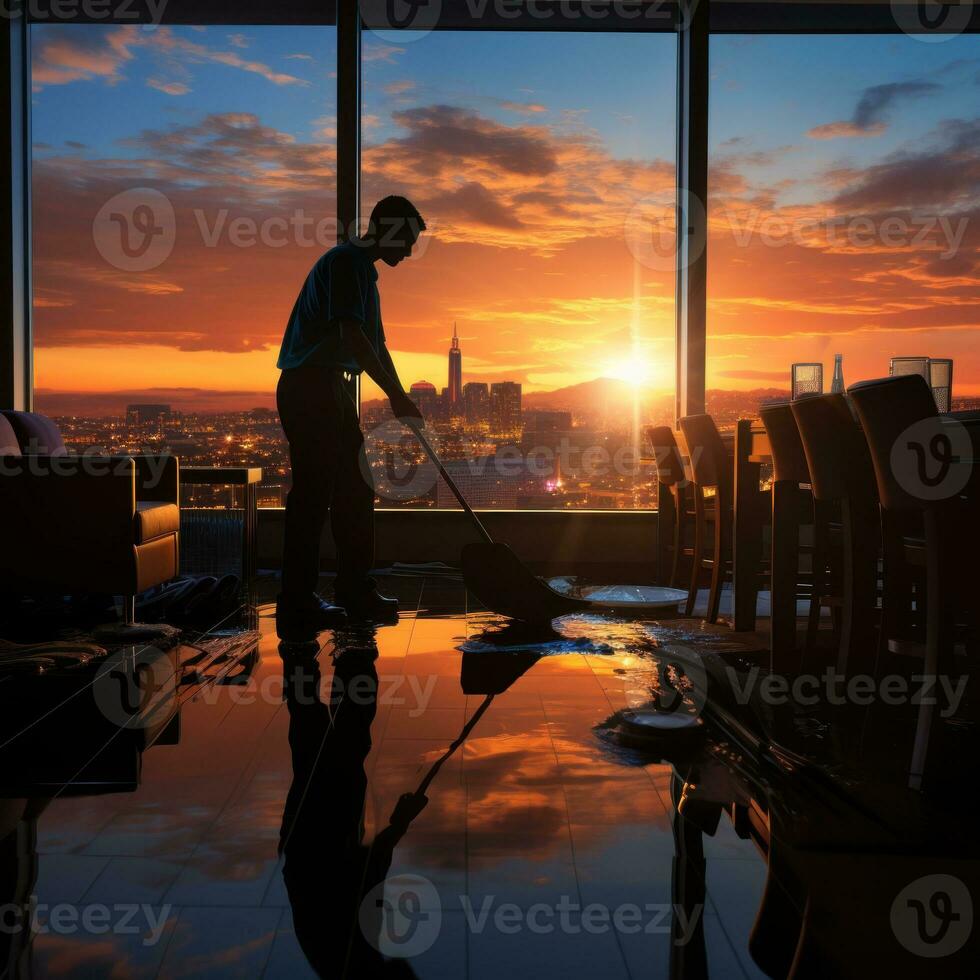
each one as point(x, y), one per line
point(336, 329)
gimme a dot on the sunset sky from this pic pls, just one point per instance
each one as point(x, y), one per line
point(541, 163)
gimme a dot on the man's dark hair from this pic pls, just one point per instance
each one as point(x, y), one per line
point(390, 216)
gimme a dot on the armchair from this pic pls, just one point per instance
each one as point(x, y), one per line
point(84, 523)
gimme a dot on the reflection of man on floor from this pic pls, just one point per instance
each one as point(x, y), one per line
point(331, 875)
point(336, 328)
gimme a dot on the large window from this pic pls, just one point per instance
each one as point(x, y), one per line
point(536, 160)
point(184, 181)
point(844, 196)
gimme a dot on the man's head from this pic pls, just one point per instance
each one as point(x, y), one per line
point(394, 228)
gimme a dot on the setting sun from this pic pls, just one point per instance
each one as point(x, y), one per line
point(639, 372)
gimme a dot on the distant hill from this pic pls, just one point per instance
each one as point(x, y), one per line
point(602, 397)
point(609, 398)
point(723, 400)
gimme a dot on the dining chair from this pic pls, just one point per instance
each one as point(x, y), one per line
point(807, 379)
point(671, 475)
point(794, 512)
point(941, 382)
point(712, 487)
point(841, 476)
point(902, 426)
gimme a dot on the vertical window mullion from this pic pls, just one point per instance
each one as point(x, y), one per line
point(692, 198)
point(16, 380)
point(349, 125)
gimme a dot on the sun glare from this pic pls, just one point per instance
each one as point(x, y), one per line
point(639, 373)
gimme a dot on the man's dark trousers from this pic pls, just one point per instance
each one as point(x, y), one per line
point(325, 447)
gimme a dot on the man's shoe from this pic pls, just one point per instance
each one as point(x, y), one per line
point(369, 607)
point(301, 623)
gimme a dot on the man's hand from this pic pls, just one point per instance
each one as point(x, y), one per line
point(403, 407)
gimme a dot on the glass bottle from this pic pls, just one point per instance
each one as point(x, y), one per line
point(837, 385)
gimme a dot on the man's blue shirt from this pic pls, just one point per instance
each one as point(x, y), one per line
point(342, 285)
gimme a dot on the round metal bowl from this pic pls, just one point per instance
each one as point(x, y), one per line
point(628, 598)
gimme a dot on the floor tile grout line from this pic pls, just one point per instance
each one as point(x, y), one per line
point(170, 939)
point(564, 796)
point(272, 944)
point(272, 879)
point(108, 859)
point(80, 848)
point(235, 788)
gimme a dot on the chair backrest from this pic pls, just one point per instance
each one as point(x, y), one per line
point(710, 465)
point(898, 366)
point(9, 446)
point(837, 454)
point(36, 434)
point(941, 382)
point(807, 379)
point(888, 407)
point(670, 466)
point(788, 457)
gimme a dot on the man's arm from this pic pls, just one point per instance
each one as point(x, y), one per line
point(380, 370)
point(384, 355)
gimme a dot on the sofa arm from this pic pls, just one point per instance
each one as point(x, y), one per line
point(69, 518)
point(157, 478)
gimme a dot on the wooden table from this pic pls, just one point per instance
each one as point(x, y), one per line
point(246, 477)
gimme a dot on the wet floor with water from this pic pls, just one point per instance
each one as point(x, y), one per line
point(452, 797)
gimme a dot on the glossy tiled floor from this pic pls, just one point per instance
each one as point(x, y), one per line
point(530, 816)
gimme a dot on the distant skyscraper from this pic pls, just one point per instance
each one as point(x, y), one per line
point(455, 376)
point(476, 401)
point(425, 396)
point(505, 406)
point(146, 414)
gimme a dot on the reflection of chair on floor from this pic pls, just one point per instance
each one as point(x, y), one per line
point(671, 477)
point(688, 953)
point(712, 474)
point(18, 879)
point(93, 524)
point(803, 929)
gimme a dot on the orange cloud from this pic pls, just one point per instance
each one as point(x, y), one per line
point(834, 130)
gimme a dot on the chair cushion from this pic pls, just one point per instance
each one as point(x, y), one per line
point(36, 434)
point(155, 520)
point(8, 440)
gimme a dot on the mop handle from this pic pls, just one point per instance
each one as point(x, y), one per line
point(431, 453)
point(467, 728)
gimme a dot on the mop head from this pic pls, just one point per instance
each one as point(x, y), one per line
point(498, 578)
